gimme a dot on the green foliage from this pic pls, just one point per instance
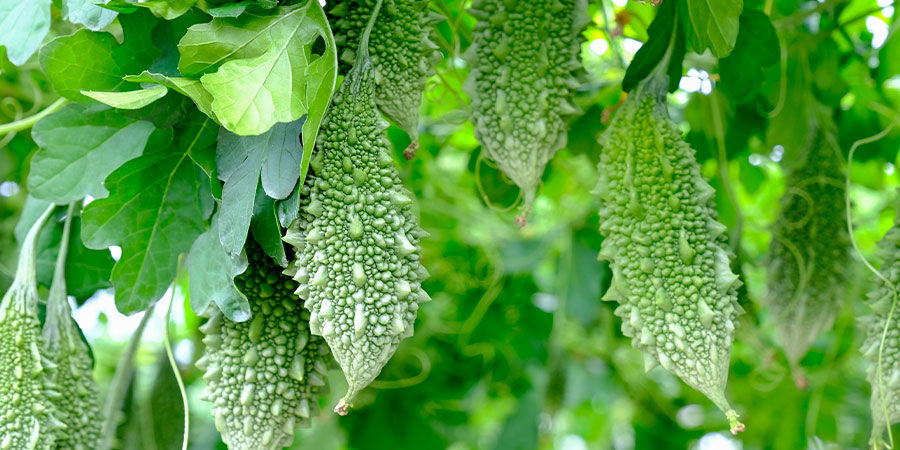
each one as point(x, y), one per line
point(22, 27)
point(401, 49)
point(713, 24)
point(666, 247)
point(356, 240)
point(808, 257)
point(264, 376)
point(80, 147)
point(248, 66)
point(523, 57)
point(78, 404)
point(882, 341)
point(159, 196)
point(26, 388)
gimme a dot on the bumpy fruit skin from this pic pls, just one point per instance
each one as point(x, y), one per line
point(810, 249)
point(667, 251)
point(27, 415)
point(79, 402)
point(523, 57)
point(357, 239)
point(264, 376)
point(882, 344)
point(402, 52)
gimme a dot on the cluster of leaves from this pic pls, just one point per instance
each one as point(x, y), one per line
point(201, 145)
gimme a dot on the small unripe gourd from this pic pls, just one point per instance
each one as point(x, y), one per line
point(403, 55)
point(810, 248)
point(523, 57)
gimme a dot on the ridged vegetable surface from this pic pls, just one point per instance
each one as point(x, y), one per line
point(882, 343)
point(264, 376)
point(810, 249)
point(357, 239)
point(79, 402)
point(403, 55)
point(523, 58)
point(28, 419)
point(667, 251)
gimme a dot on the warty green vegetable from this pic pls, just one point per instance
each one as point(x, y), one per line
point(79, 402)
point(666, 247)
point(28, 419)
point(523, 57)
point(403, 55)
point(357, 238)
point(810, 248)
point(882, 343)
point(264, 376)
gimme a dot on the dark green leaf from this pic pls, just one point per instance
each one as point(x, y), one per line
point(756, 48)
point(240, 161)
point(80, 146)
point(662, 31)
point(153, 212)
point(93, 61)
point(711, 24)
point(266, 229)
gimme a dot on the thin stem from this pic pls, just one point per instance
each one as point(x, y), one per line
point(119, 386)
point(27, 122)
point(177, 373)
point(724, 174)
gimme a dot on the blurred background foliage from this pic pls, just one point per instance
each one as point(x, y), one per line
point(517, 351)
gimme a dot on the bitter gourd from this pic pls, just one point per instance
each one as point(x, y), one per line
point(882, 343)
point(264, 376)
point(356, 239)
point(667, 251)
point(79, 402)
point(810, 248)
point(403, 55)
point(27, 415)
point(523, 58)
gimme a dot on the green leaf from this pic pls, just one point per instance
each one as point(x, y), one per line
point(153, 212)
point(266, 229)
point(85, 12)
point(79, 147)
point(23, 25)
point(87, 271)
point(260, 69)
point(129, 99)
point(889, 63)
point(756, 48)
point(241, 161)
point(211, 272)
point(661, 31)
point(711, 24)
point(192, 89)
point(93, 61)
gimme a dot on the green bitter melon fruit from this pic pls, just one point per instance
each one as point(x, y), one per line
point(79, 402)
point(264, 376)
point(666, 247)
point(524, 56)
point(403, 55)
point(882, 342)
point(357, 237)
point(28, 419)
point(810, 248)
